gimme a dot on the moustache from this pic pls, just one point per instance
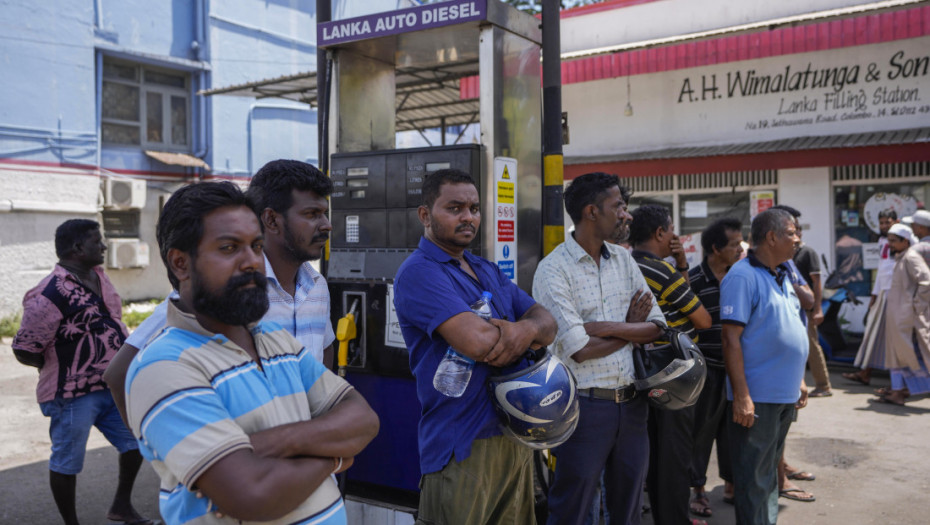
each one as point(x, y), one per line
point(239, 281)
point(323, 237)
point(464, 227)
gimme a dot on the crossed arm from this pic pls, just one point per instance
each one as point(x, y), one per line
point(606, 337)
point(289, 462)
point(498, 342)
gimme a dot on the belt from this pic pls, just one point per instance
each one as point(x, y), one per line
point(617, 395)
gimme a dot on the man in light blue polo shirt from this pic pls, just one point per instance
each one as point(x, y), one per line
point(765, 350)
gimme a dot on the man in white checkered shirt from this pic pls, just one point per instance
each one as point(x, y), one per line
point(602, 305)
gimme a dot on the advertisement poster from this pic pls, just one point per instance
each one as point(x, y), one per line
point(759, 201)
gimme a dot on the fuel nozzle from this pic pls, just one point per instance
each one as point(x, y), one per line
point(345, 332)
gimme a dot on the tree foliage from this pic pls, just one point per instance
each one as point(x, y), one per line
point(535, 6)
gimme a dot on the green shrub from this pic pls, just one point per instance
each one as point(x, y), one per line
point(9, 325)
point(135, 313)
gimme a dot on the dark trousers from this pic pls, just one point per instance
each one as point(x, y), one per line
point(709, 425)
point(671, 443)
point(611, 438)
point(755, 452)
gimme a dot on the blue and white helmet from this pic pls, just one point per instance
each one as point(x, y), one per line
point(537, 406)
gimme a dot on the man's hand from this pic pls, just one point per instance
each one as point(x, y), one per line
point(678, 252)
point(640, 306)
point(513, 342)
point(817, 317)
point(744, 411)
point(802, 401)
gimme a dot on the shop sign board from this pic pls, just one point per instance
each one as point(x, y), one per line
point(903, 205)
point(855, 89)
point(401, 21)
point(505, 216)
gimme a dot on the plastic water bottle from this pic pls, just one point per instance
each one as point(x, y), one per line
point(454, 371)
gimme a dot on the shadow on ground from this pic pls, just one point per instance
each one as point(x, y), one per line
point(26, 497)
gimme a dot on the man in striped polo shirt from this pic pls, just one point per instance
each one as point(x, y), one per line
point(239, 420)
point(722, 246)
point(671, 439)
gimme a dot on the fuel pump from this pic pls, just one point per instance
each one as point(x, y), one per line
point(452, 64)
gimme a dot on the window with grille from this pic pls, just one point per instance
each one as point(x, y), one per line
point(145, 107)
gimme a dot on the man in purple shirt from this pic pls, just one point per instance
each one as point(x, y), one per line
point(70, 331)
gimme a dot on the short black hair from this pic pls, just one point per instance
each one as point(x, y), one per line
point(590, 188)
point(646, 220)
point(784, 207)
point(771, 220)
point(715, 234)
point(434, 181)
point(71, 232)
point(888, 213)
point(271, 187)
point(180, 225)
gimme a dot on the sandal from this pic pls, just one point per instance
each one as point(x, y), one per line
point(854, 376)
point(797, 494)
point(700, 505)
point(800, 475)
point(886, 390)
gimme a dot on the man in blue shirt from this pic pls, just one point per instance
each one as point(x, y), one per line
point(764, 350)
point(471, 473)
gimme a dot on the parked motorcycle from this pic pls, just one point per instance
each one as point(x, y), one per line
point(837, 344)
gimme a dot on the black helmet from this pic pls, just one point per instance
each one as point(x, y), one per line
point(671, 375)
point(536, 406)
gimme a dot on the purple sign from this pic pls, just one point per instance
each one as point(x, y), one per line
point(400, 21)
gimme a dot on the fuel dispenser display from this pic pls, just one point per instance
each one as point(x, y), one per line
point(375, 228)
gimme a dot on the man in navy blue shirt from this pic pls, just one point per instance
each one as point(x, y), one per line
point(471, 473)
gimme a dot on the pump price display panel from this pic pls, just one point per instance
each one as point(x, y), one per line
point(505, 216)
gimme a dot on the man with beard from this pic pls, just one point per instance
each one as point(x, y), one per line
point(602, 305)
point(722, 244)
point(291, 199)
point(71, 328)
point(871, 352)
point(240, 421)
point(471, 472)
point(671, 432)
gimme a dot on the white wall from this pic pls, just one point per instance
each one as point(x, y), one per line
point(808, 190)
point(677, 17)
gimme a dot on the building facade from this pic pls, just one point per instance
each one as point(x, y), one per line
point(100, 118)
point(726, 109)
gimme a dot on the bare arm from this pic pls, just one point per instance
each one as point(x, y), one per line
point(535, 329)
point(328, 357)
point(743, 408)
point(115, 377)
point(289, 462)
point(249, 487)
point(700, 318)
point(344, 431)
point(469, 334)
point(805, 296)
point(817, 288)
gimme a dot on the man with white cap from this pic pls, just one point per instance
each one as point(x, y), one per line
point(920, 225)
point(907, 320)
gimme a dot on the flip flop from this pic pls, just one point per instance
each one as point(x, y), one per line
point(820, 393)
point(117, 520)
point(802, 476)
point(797, 494)
point(885, 399)
point(852, 376)
point(729, 500)
point(885, 390)
point(700, 506)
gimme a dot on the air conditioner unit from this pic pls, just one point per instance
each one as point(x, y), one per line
point(123, 194)
point(127, 253)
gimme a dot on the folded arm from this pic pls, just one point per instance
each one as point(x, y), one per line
point(342, 432)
